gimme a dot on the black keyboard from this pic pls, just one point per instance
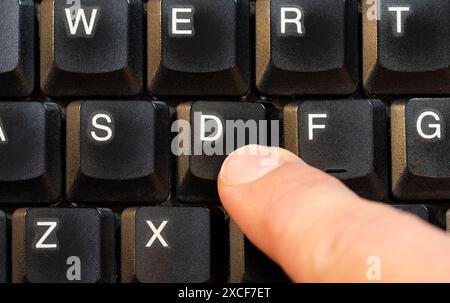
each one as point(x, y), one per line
point(100, 180)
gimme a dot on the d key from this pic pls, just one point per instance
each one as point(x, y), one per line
point(217, 129)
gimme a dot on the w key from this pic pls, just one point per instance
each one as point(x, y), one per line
point(57, 245)
point(91, 47)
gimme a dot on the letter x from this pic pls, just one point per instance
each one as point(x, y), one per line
point(156, 234)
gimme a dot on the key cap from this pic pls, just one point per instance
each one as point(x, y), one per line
point(407, 50)
point(447, 221)
point(173, 245)
point(17, 51)
point(248, 264)
point(30, 159)
point(3, 249)
point(306, 47)
point(420, 211)
point(203, 151)
point(117, 151)
point(63, 245)
point(91, 47)
point(345, 138)
point(420, 157)
point(198, 47)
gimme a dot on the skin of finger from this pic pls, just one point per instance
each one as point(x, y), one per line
point(318, 230)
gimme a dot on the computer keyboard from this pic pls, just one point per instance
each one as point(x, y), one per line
point(114, 123)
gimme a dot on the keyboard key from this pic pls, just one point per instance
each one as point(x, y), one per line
point(3, 249)
point(306, 47)
point(57, 245)
point(30, 152)
point(420, 146)
point(250, 265)
point(117, 151)
point(173, 245)
point(91, 48)
point(420, 211)
point(198, 47)
point(447, 221)
point(407, 50)
point(17, 52)
point(201, 155)
point(346, 138)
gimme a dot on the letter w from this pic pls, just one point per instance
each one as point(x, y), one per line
point(88, 27)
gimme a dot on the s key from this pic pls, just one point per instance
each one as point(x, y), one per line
point(420, 143)
point(30, 152)
point(406, 45)
point(117, 151)
point(217, 129)
point(198, 47)
point(63, 245)
point(91, 47)
point(346, 138)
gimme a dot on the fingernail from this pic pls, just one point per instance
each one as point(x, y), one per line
point(250, 163)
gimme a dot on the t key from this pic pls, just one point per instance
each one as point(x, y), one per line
point(420, 145)
point(406, 46)
point(57, 245)
point(117, 151)
point(346, 138)
point(91, 47)
point(173, 245)
point(306, 47)
point(17, 47)
point(3, 249)
point(30, 159)
point(217, 129)
point(198, 47)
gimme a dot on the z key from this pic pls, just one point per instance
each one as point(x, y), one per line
point(58, 245)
